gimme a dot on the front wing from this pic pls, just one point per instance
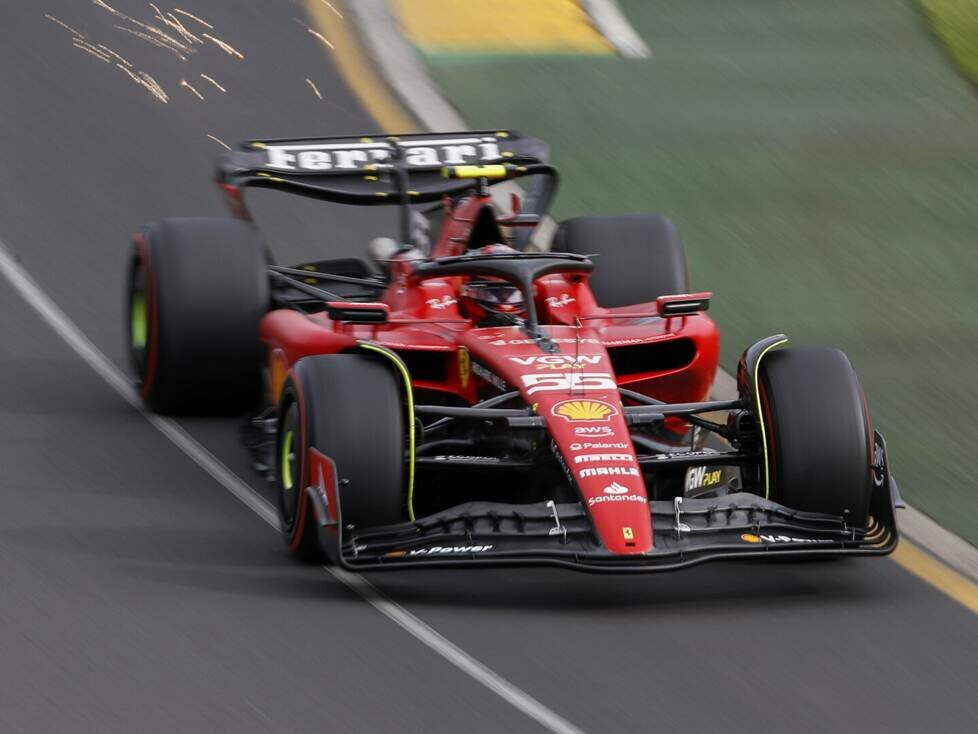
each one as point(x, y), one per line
point(686, 532)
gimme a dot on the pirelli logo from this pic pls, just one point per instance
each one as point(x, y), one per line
point(601, 458)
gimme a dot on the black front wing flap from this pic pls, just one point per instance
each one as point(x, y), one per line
point(685, 531)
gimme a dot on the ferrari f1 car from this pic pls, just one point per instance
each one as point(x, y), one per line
point(463, 396)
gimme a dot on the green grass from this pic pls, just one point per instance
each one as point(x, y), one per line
point(821, 162)
point(956, 23)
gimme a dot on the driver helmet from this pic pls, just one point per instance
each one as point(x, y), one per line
point(486, 299)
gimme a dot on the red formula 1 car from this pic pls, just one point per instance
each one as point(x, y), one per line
point(461, 398)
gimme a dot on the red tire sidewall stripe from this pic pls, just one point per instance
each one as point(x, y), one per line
point(300, 516)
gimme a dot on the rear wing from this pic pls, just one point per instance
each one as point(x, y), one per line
point(395, 169)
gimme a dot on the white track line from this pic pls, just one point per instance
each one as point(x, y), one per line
point(49, 311)
point(456, 656)
point(611, 23)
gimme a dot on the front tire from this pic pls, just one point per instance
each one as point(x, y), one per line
point(348, 407)
point(818, 435)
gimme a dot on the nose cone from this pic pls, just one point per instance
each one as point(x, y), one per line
point(596, 448)
point(618, 505)
point(574, 389)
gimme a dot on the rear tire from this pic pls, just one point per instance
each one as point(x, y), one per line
point(349, 407)
point(819, 438)
point(196, 291)
point(640, 256)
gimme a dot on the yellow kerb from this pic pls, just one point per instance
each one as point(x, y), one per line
point(500, 27)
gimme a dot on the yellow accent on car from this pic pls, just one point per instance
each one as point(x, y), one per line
point(409, 393)
point(491, 171)
point(760, 415)
point(464, 367)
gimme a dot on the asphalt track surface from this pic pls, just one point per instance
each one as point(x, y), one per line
point(136, 594)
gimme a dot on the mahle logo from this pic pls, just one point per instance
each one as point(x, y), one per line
point(584, 410)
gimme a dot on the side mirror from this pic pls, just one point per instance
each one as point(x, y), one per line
point(683, 304)
point(351, 312)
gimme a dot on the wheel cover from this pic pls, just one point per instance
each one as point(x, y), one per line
point(287, 462)
point(138, 320)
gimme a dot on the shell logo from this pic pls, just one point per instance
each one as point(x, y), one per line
point(584, 410)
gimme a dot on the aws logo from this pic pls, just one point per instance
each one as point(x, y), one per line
point(594, 431)
point(573, 411)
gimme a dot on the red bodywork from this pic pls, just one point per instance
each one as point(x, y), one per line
point(575, 390)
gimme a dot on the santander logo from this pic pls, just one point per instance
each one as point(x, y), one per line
point(616, 493)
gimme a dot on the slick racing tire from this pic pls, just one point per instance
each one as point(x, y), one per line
point(350, 408)
point(818, 435)
point(196, 291)
point(639, 257)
